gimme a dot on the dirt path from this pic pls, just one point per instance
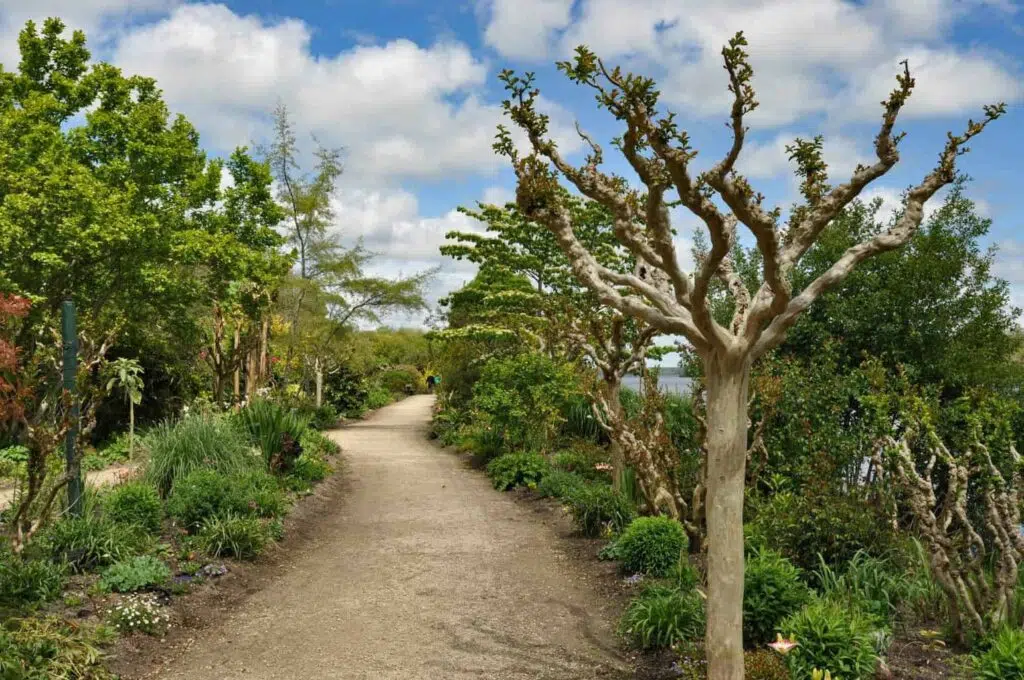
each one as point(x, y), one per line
point(102, 477)
point(423, 572)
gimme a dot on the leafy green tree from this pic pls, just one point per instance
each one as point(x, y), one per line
point(126, 376)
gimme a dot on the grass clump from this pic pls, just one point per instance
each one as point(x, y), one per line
point(234, 536)
point(772, 590)
point(197, 442)
point(1004, 657)
point(90, 542)
point(597, 509)
point(204, 494)
point(559, 484)
point(833, 636)
point(48, 647)
point(277, 432)
point(27, 582)
point(662, 616)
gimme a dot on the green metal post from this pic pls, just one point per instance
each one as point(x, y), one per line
point(70, 341)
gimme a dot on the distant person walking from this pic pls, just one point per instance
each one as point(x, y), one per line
point(431, 382)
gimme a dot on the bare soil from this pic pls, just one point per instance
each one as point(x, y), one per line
point(408, 566)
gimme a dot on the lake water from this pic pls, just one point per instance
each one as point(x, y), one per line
point(669, 383)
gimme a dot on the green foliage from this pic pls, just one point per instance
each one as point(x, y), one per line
point(205, 494)
point(872, 584)
point(233, 536)
point(762, 664)
point(597, 509)
point(48, 648)
point(137, 573)
point(580, 422)
point(27, 581)
point(277, 432)
point(800, 526)
point(559, 484)
point(830, 636)
point(196, 442)
point(1004, 657)
point(582, 461)
point(661, 617)
point(316, 443)
point(378, 397)
point(652, 545)
point(89, 542)
point(138, 613)
point(772, 591)
point(523, 397)
point(325, 417)
point(514, 470)
point(135, 503)
point(346, 391)
point(396, 379)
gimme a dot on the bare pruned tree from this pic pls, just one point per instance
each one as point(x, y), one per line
point(677, 302)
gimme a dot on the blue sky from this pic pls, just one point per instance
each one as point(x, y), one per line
point(409, 89)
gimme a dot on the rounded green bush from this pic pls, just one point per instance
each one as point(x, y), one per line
point(135, 503)
point(1004, 658)
point(772, 590)
point(661, 617)
point(598, 508)
point(203, 494)
point(559, 484)
point(831, 636)
point(517, 469)
point(652, 545)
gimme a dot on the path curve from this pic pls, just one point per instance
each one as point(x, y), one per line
point(422, 572)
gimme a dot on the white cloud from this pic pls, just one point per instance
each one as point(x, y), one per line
point(524, 28)
point(399, 109)
point(810, 56)
point(1009, 265)
point(769, 159)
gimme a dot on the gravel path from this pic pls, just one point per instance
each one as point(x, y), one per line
point(423, 572)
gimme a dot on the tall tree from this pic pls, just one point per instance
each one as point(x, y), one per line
point(677, 303)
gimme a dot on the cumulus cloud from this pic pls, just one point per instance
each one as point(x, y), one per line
point(401, 110)
point(810, 57)
point(1009, 265)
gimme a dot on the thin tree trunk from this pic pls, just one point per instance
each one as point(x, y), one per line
point(238, 364)
point(614, 387)
point(319, 369)
point(264, 337)
point(131, 428)
point(728, 383)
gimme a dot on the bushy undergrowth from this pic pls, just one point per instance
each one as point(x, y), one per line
point(514, 470)
point(651, 545)
point(27, 582)
point(772, 590)
point(276, 430)
point(559, 484)
point(135, 503)
point(662, 616)
point(196, 442)
point(397, 379)
point(137, 573)
point(583, 461)
point(90, 542)
point(831, 636)
point(234, 536)
point(868, 583)
point(1003, 658)
point(205, 494)
point(597, 509)
point(762, 664)
point(48, 648)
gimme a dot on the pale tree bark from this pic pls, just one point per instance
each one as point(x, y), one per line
point(675, 302)
point(318, 370)
point(238, 367)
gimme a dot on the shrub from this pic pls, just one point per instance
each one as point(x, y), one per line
point(772, 590)
point(836, 526)
point(137, 573)
point(396, 378)
point(196, 442)
point(762, 664)
point(48, 647)
point(580, 422)
point(135, 503)
point(138, 613)
point(514, 470)
point(204, 494)
point(88, 542)
point(24, 581)
point(582, 463)
point(316, 443)
point(309, 469)
point(597, 508)
point(662, 616)
point(378, 397)
point(276, 431)
point(345, 391)
point(1004, 657)
point(325, 417)
point(830, 636)
point(233, 536)
point(522, 398)
point(559, 484)
point(652, 545)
